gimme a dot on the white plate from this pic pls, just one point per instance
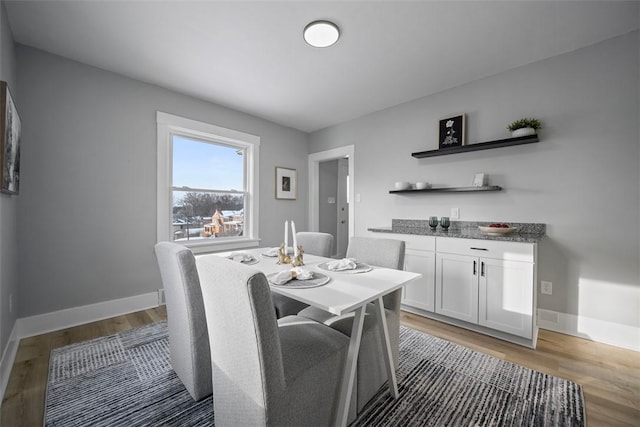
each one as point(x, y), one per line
point(360, 268)
point(318, 279)
point(496, 231)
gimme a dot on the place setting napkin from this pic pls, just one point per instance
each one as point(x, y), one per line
point(345, 265)
point(298, 278)
point(242, 257)
point(298, 273)
point(342, 264)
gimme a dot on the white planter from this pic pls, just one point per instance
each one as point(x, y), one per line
point(523, 132)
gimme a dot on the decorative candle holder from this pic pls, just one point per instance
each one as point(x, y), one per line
point(283, 257)
point(297, 260)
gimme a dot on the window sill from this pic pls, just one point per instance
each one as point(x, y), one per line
point(200, 247)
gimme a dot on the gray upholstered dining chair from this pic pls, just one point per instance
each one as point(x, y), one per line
point(371, 374)
point(188, 337)
point(313, 243)
point(266, 371)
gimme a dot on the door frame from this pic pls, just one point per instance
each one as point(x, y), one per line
point(347, 151)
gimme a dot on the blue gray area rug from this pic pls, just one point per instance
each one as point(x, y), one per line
point(126, 380)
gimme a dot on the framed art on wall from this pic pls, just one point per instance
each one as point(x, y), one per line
point(452, 131)
point(286, 183)
point(9, 142)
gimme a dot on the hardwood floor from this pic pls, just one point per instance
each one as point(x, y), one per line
point(610, 376)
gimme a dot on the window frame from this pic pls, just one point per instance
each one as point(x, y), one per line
point(169, 125)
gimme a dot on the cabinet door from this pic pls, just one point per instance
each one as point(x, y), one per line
point(506, 296)
point(420, 293)
point(457, 286)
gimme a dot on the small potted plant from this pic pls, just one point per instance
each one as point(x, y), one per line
point(524, 127)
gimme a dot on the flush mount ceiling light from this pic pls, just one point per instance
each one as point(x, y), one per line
point(321, 33)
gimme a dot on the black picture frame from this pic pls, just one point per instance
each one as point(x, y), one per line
point(10, 128)
point(452, 132)
point(286, 183)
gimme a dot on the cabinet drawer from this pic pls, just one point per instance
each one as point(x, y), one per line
point(514, 251)
point(416, 242)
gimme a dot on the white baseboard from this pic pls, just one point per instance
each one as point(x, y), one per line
point(8, 357)
point(54, 321)
point(624, 336)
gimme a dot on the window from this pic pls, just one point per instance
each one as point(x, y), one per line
point(207, 185)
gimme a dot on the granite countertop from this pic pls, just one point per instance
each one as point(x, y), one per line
point(526, 233)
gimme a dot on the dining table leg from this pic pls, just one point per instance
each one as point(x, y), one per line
point(350, 368)
point(386, 344)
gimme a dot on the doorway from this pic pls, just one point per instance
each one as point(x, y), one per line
point(333, 203)
point(337, 210)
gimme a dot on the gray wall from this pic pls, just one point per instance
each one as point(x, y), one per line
point(582, 179)
point(8, 204)
point(87, 213)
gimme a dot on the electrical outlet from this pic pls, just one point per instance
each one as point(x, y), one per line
point(455, 213)
point(546, 288)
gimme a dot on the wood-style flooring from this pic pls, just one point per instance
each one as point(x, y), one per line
point(610, 376)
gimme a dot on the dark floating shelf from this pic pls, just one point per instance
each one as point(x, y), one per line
point(477, 146)
point(450, 189)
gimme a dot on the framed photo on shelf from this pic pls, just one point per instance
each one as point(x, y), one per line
point(9, 142)
point(479, 180)
point(286, 183)
point(452, 132)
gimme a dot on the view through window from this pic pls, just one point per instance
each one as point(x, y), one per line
point(209, 189)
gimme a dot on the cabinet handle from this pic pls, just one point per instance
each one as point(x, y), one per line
point(479, 249)
point(474, 268)
point(482, 268)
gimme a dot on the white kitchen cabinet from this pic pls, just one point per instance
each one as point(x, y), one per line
point(457, 286)
point(489, 283)
point(483, 285)
point(420, 293)
point(419, 258)
point(505, 296)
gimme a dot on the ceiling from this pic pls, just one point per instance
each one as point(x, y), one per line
point(250, 56)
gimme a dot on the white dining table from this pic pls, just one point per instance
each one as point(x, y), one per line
point(345, 292)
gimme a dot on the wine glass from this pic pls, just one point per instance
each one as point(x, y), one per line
point(444, 222)
point(433, 222)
